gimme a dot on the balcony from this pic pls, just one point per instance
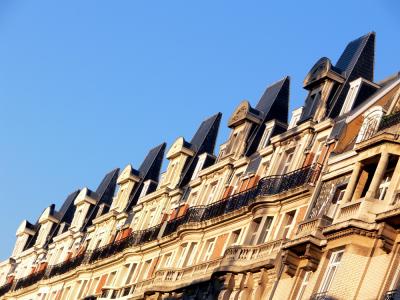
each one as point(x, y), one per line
point(389, 121)
point(392, 295)
point(277, 184)
point(5, 288)
point(267, 186)
point(136, 238)
point(321, 296)
point(29, 280)
point(313, 227)
point(237, 257)
point(362, 209)
point(66, 266)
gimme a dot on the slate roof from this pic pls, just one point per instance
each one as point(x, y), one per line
point(357, 60)
point(103, 194)
point(149, 169)
point(273, 105)
point(202, 142)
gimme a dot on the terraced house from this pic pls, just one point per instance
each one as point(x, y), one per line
point(299, 208)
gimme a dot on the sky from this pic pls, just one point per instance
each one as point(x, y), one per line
point(90, 85)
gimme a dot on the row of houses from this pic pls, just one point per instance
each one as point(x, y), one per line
point(299, 208)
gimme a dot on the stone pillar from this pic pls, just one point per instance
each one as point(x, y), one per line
point(227, 287)
point(351, 186)
point(378, 175)
point(393, 183)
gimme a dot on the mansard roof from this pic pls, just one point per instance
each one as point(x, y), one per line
point(273, 105)
point(103, 194)
point(202, 142)
point(357, 60)
point(149, 169)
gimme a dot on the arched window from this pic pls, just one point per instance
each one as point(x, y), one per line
point(370, 125)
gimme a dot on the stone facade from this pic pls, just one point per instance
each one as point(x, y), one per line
point(306, 208)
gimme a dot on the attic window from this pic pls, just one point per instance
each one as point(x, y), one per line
point(296, 114)
point(267, 135)
point(145, 188)
point(370, 124)
point(199, 165)
point(351, 96)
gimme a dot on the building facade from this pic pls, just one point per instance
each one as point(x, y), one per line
point(299, 208)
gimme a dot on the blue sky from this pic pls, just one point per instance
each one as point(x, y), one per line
point(89, 85)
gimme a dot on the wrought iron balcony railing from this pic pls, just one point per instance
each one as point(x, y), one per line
point(267, 186)
point(29, 280)
point(321, 296)
point(66, 266)
point(135, 238)
point(5, 288)
point(389, 121)
point(392, 295)
point(273, 185)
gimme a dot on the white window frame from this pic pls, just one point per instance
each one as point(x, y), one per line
point(303, 285)
point(199, 165)
point(372, 118)
point(331, 270)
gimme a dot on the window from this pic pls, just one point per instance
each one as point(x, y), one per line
point(234, 238)
point(145, 188)
point(337, 196)
point(82, 288)
point(267, 135)
point(111, 278)
point(295, 117)
point(181, 255)
point(190, 255)
point(259, 230)
point(331, 269)
point(167, 260)
point(211, 192)
point(304, 284)
point(208, 249)
point(287, 224)
point(287, 161)
point(264, 229)
point(319, 151)
point(384, 186)
point(370, 124)
point(193, 198)
point(132, 269)
point(237, 184)
point(199, 165)
point(66, 293)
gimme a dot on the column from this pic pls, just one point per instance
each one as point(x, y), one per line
point(393, 184)
point(352, 183)
point(378, 175)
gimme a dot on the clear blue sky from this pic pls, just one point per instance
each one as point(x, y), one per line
point(89, 85)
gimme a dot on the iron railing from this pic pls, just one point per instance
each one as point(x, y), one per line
point(389, 121)
point(392, 295)
point(321, 296)
point(273, 185)
point(267, 186)
point(5, 288)
point(29, 280)
point(66, 266)
point(135, 238)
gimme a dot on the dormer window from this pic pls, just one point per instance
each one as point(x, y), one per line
point(199, 165)
point(267, 135)
point(370, 124)
point(351, 96)
point(145, 188)
point(296, 114)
